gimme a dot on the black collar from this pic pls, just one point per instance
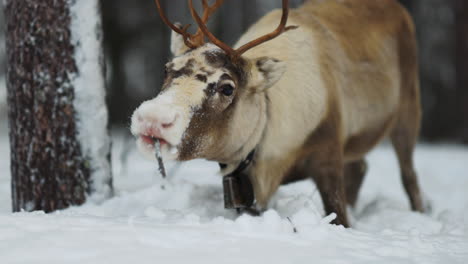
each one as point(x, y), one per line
point(242, 166)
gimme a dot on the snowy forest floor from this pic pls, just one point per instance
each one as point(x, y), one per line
point(185, 222)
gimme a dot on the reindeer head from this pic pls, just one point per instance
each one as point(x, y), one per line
point(209, 104)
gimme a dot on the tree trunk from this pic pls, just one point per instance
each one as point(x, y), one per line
point(48, 166)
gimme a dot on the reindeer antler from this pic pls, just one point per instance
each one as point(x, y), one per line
point(278, 31)
point(238, 52)
point(204, 29)
point(208, 10)
point(198, 39)
point(182, 31)
point(191, 40)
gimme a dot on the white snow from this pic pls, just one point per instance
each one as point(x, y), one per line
point(185, 222)
point(89, 86)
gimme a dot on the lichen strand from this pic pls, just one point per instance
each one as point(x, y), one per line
point(48, 169)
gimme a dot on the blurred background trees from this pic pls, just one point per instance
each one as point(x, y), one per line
point(442, 27)
point(137, 46)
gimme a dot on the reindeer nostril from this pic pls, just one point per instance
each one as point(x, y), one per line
point(168, 125)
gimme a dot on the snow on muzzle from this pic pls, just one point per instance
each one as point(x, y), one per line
point(165, 118)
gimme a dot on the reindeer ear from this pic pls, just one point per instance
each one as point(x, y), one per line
point(178, 46)
point(266, 72)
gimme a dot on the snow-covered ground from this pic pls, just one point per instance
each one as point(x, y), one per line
point(182, 220)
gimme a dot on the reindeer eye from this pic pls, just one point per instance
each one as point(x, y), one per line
point(227, 89)
point(165, 72)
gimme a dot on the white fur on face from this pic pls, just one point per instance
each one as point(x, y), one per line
point(174, 106)
point(169, 114)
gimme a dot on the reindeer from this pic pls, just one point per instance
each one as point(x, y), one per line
point(308, 100)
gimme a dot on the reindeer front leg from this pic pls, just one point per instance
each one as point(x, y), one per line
point(324, 163)
point(328, 175)
point(325, 167)
point(266, 177)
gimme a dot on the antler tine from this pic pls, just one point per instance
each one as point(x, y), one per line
point(196, 40)
point(208, 10)
point(230, 51)
point(183, 31)
point(279, 30)
point(234, 54)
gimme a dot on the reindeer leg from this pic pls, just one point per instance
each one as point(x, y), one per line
point(328, 176)
point(404, 138)
point(406, 130)
point(354, 173)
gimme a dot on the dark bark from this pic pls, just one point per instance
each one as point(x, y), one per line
point(47, 167)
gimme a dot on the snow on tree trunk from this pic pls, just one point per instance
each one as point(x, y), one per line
point(59, 150)
point(90, 93)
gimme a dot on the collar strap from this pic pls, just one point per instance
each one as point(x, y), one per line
point(242, 166)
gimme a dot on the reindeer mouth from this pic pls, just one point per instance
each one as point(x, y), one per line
point(150, 140)
point(169, 150)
